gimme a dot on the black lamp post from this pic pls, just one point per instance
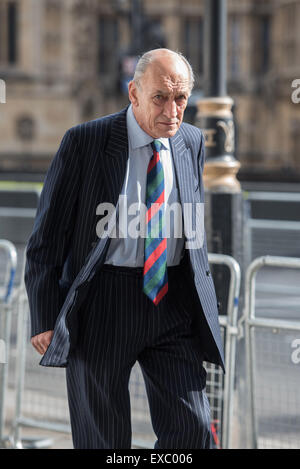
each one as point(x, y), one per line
point(224, 201)
point(215, 53)
point(223, 192)
point(215, 109)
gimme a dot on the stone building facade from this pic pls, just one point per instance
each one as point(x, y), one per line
point(65, 62)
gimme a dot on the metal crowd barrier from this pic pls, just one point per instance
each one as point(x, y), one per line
point(41, 399)
point(7, 283)
point(225, 399)
point(264, 235)
point(272, 366)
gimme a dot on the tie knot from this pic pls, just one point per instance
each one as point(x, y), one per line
point(156, 145)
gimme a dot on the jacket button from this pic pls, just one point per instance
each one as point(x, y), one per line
point(208, 273)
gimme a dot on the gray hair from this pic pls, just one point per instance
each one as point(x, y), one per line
point(148, 57)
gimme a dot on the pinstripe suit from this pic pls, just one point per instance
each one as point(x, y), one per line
point(65, 260)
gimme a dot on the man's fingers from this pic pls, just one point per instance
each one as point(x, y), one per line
point(37, 345)
point(41, 341)
point(43, 345)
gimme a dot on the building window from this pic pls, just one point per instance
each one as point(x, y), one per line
point(291, 31)
point(153, 36)
point(108, 34)
point(234, 32)
point(193, 43)
point(25, 128)
point(8, 32)
point(265, 40)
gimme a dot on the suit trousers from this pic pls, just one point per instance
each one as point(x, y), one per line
point(119, 325)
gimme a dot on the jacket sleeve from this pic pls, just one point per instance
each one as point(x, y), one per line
point(47, 246)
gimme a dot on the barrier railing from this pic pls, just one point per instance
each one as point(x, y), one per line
point(270, 368)
point(229, 322)
point(269, 230)
point(38, 407)
point(23, 348)
point(5, 325)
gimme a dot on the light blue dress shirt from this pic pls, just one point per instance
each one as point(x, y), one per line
point(128, 249)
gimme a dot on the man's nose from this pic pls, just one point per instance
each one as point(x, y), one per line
point(170, 109)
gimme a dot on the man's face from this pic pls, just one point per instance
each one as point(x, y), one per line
point(159, 101)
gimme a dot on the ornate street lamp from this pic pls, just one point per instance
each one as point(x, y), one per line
point(224, 204)
point(215, 108)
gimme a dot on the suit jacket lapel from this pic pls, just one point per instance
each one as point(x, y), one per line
point(114, 160)
point(188, 184)
point(184, 171)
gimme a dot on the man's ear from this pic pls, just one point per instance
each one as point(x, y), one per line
point(132, 93)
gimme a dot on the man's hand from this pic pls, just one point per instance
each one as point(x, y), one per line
point(41, 341)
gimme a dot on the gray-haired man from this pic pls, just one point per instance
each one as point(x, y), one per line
point(148, 299)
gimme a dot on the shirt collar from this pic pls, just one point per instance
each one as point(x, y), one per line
point(137, 137)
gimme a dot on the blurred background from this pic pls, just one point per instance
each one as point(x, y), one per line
point(63, 62)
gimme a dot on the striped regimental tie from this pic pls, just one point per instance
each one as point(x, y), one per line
point(155, 283)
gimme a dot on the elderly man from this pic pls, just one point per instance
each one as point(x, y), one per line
point(103, 297)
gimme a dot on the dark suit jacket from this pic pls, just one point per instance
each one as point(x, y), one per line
point(63, 252)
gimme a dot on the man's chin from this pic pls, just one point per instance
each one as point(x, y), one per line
point(168, 133)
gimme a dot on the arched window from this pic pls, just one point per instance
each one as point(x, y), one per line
point(193, 42)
